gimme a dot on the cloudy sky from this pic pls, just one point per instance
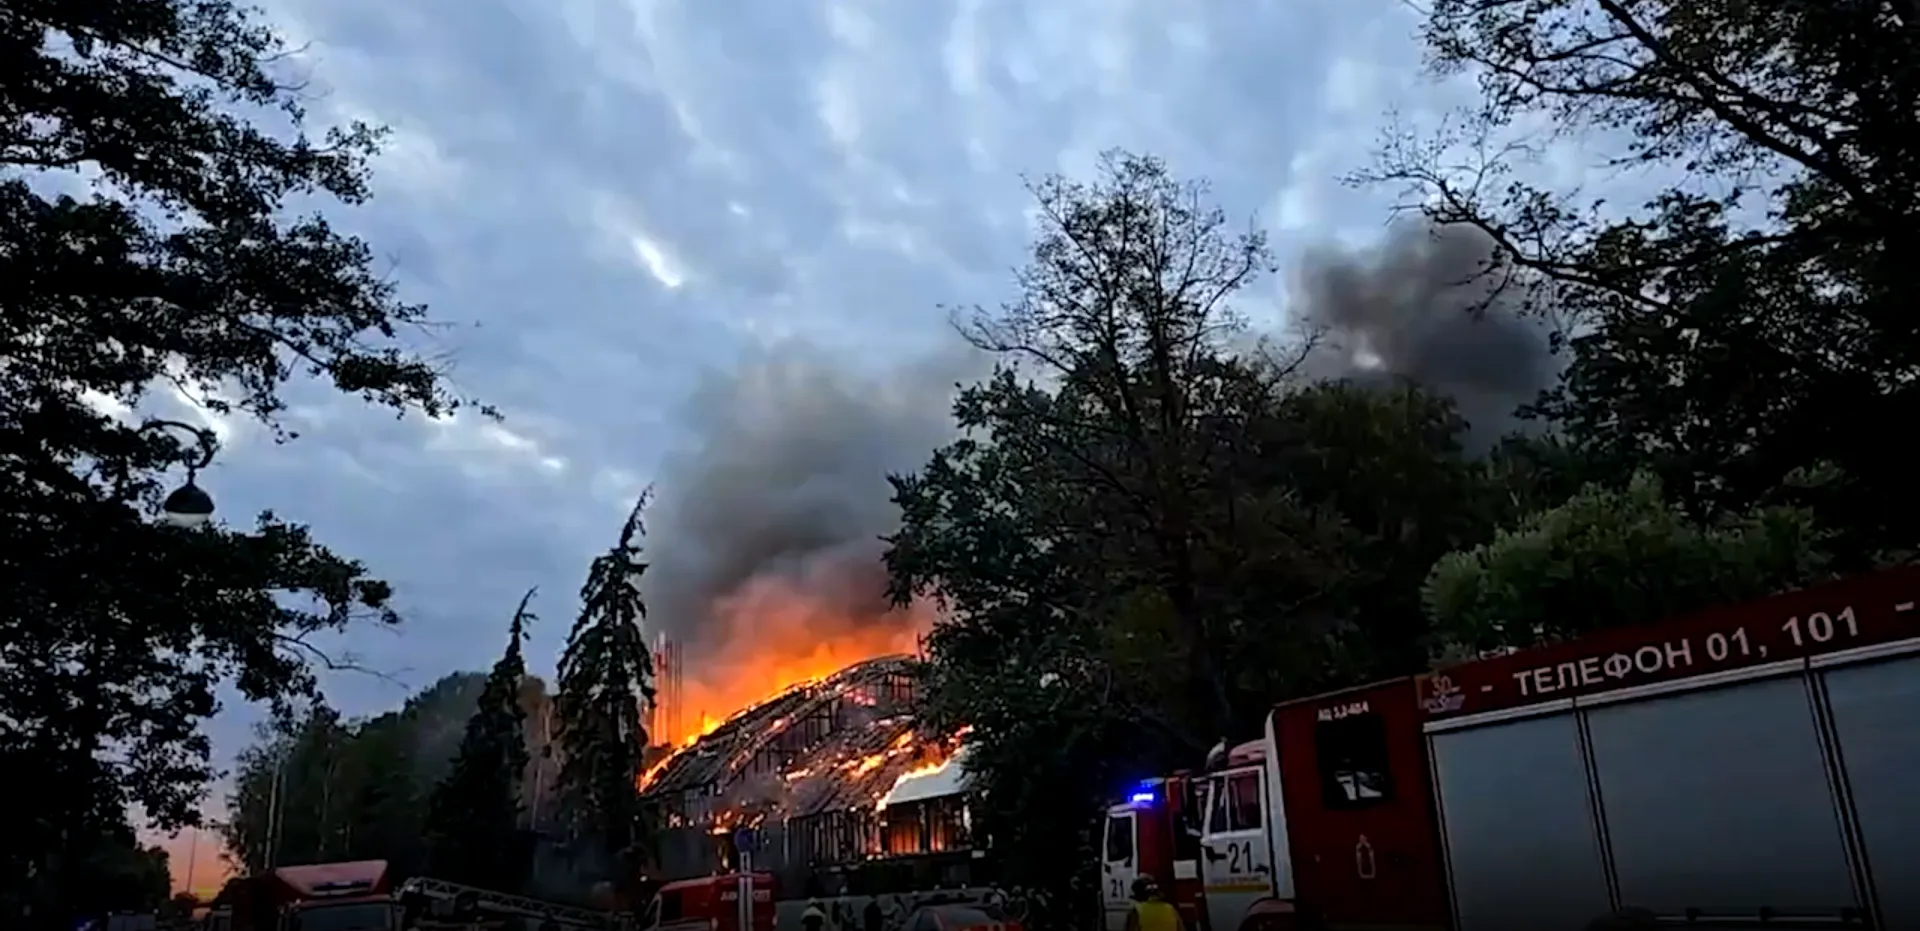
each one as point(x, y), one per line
point(612, 202)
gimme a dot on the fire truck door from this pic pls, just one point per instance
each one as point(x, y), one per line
point(1236, 858)
point(1363, 848)
point(1120, 863)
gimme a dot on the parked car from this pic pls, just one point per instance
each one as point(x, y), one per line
point(972, 916)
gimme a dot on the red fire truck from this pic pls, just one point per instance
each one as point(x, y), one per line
point(710, 903)
point(1751, 765)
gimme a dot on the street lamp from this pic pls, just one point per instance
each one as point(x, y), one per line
point(189, 505)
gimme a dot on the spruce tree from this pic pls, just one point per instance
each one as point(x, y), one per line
point(606, 673)
point(473, 816)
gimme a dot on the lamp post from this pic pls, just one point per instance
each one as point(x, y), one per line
point(189, 505)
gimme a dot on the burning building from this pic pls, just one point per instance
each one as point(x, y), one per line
point(841, 787)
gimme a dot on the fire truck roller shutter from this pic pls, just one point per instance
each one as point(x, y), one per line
point(1720, 799)
point(1518, 825)
point(1876, 722)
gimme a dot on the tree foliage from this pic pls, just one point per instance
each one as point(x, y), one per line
point(106, 872)
point(1143, 538)
point(1124, 305)
point(1609, 558)
point(474, 831)
point(606, 673)
point(149, 238)
point(1754, 318)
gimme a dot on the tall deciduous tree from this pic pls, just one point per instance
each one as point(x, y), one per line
point(1143, 548)
point(1754, 317)
point(150, 235)
point(474, 834)
point(605, 676)
point(1126, 299)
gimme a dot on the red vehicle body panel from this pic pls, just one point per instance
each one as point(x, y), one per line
point(713, 902)
point(1360, 860)
point(1848, 614)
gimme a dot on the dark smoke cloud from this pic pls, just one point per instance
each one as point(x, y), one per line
point(786, 480)
point(1421, 306)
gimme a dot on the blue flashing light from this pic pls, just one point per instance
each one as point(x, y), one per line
point(1144, 798)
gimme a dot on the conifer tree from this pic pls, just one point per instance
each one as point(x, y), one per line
point(473, 816)
point(605, 676)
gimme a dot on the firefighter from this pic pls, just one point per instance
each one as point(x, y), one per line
point(1151, 911)
point(814, 918)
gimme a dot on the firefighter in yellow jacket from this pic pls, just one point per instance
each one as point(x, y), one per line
point(1151, 911)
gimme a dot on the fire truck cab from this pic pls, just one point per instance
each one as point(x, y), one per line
point(1749, 765)
point(1154, 832)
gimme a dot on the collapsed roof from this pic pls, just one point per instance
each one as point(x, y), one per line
point(839, 743)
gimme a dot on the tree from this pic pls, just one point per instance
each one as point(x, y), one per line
point(1153, 496)
point(104, 873)
point(148, 239)
point(180, 908)
point(1389, 461)
point(606, 672)
point(352, 790)
point(1753, 319)
point(287, 806)
point(1126, 301)
point(473, 816)
point(1610, 558)
point(987, 531)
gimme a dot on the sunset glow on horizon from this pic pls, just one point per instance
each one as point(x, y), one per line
point(194, 858)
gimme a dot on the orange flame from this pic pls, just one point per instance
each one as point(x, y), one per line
point(780, 637)
point(868, 763)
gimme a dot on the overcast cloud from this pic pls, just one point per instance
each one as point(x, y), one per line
point(611, 201)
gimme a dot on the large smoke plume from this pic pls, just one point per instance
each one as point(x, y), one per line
point(776, 509)
point(784, 492)
point(1426, 306)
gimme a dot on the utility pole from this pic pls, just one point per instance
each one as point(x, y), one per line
point(275, 812)
point(193, 857)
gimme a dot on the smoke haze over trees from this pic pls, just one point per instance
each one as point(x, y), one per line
point(1433, 306)
point(782, 494)
point(1755, 317)
point(358, 789)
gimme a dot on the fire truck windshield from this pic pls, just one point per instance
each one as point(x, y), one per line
point(347, 916)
